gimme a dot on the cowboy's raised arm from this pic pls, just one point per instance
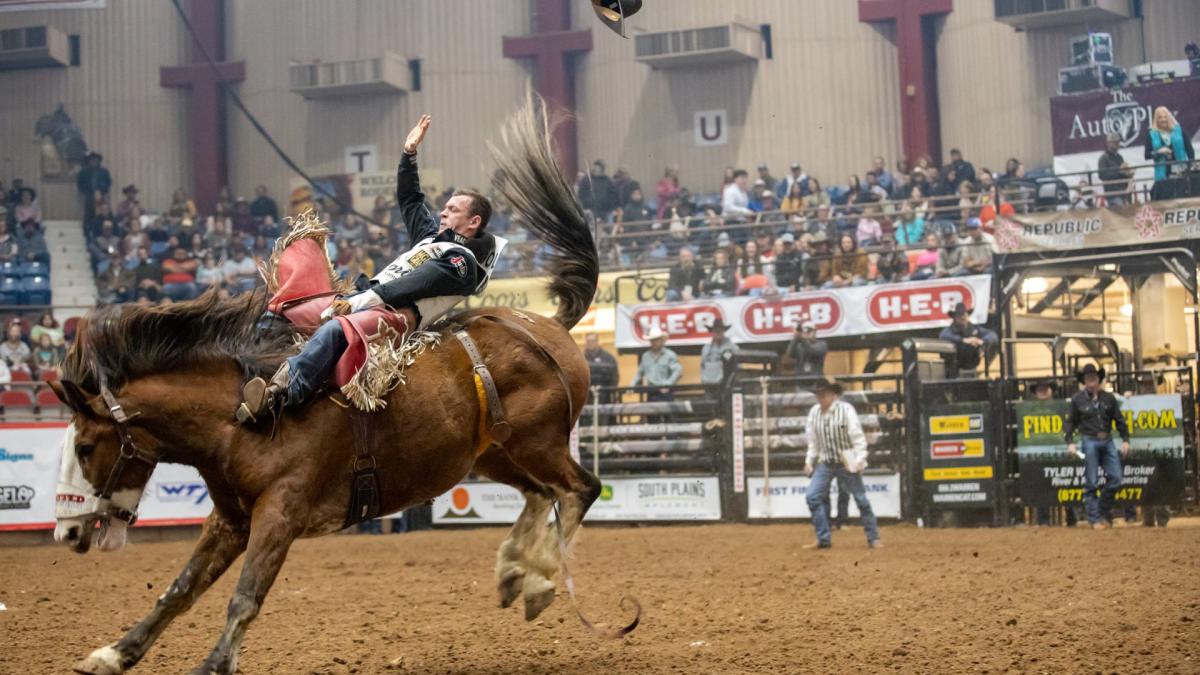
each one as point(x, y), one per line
point(410, 199)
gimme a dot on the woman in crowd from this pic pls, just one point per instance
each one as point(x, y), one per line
point(46, 325)
point(46, 356)
point(926, 264)
point(381, 212)
point(869, 230)
point(1171, 149)
point(967, 201)
point(816, 197)
point(750, 266)
point(15, 353)
point(850, 265)
point(218, 232)
point(855, 194)
point(181, 207)
point(721, 280)
point(726, 179)
point(361, 263)
point(209, 273)
point(902, 179)
point(667, 190)
point(27, 209)
point(794, 201)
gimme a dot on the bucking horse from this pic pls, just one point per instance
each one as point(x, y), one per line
point(160, 384)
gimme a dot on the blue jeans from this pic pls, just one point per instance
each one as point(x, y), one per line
point(817, 496)
point(1100, 454)
point(309, 370)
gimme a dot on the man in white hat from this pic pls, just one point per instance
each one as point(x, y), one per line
point(659, 367)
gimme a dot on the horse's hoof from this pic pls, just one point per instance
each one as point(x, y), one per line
point(509, 588)
point(103, 661)
point(539, 593)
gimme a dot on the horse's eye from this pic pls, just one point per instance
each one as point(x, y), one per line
point(84, 451)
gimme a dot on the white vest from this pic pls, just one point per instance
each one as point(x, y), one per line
point(432, 309)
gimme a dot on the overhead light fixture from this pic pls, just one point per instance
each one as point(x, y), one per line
point(1034, 285)
point(1108, 267)
point(1127, 309)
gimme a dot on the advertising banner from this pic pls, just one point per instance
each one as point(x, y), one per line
point(622, 499)
point(1097, 228)
point(859, 310)
point(787, 500)
point(40, 5)
point(1152, 474)
point(957, 462)
point(1080, 122)
point(29, 461)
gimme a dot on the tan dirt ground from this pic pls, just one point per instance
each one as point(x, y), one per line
point(717, 599)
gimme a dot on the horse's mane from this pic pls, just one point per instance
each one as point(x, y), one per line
point(130, 341)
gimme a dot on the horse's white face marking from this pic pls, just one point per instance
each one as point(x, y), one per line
point(76, 498)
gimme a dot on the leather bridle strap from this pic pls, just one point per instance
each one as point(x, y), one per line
point(129, 452)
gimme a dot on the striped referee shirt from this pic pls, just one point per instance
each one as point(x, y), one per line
point(835, 436)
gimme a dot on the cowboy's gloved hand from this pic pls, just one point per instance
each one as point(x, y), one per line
point(351, 304)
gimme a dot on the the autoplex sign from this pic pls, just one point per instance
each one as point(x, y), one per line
point(858, 310)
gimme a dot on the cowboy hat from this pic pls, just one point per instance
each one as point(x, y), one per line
point(824, 384)
point(718, 324)
point(612, 13)
point(960, 309)
point(1089, 369)
point(1047, 382)
point(819, 238)
point(656, 333)
point(129, 188)
point(88, 157)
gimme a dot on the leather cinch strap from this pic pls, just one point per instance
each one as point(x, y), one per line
point(500, 430)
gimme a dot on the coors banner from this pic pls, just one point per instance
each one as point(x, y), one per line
point(1080, 122)
point(1097, 228)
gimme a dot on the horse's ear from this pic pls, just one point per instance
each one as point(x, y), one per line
point(71, 395)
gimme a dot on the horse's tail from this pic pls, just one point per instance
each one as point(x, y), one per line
point(530, 179)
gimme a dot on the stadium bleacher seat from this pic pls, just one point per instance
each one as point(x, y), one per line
point(21, 376)
point(47, 400)
point(10, 291)
point(10, 270)
point(48, 375)
point(33, 268)
point(17, 399)
point(35, 290)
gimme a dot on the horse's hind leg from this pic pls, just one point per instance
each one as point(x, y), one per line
point(576, 490)
point(511, 564)
point(220, 543)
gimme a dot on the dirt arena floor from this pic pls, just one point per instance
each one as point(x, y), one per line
point(717, 599)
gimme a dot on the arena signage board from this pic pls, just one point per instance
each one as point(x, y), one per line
point(1120, 226)
point(1081, 122)
point(29, 461)
point(786, 498)
point(1154, 472)
point(666, 498)
point(956, 464)
point(888, 308)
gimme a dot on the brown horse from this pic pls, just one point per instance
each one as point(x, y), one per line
point(160, 384)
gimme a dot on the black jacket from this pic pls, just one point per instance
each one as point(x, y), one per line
point(1091, 418)
point(680, 278)
point(453, 273)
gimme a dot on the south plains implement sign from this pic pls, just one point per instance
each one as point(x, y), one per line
point(860, 310)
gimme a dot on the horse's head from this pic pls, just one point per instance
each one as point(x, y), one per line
point(106, 462)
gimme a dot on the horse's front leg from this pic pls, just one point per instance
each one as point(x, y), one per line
point(275, 524)
point(221, 542)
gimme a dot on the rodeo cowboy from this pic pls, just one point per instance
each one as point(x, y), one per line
point(453, 258)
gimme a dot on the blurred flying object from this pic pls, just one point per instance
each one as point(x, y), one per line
point(62, 145)
point(612, 13)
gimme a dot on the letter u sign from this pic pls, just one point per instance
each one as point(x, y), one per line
point(711, 127)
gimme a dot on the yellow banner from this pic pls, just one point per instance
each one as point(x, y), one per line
point(942, 425)
point(959, 473)
point(529, 294)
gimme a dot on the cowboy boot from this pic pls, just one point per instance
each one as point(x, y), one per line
point(259, 396)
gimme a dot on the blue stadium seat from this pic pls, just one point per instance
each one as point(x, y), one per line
point(35, 268)
point(10, 270)
point(10, 291)
point(36, 290)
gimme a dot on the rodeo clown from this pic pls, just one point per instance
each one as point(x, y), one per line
point(453, 258)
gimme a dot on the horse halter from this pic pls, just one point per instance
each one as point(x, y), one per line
point(105, 509)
